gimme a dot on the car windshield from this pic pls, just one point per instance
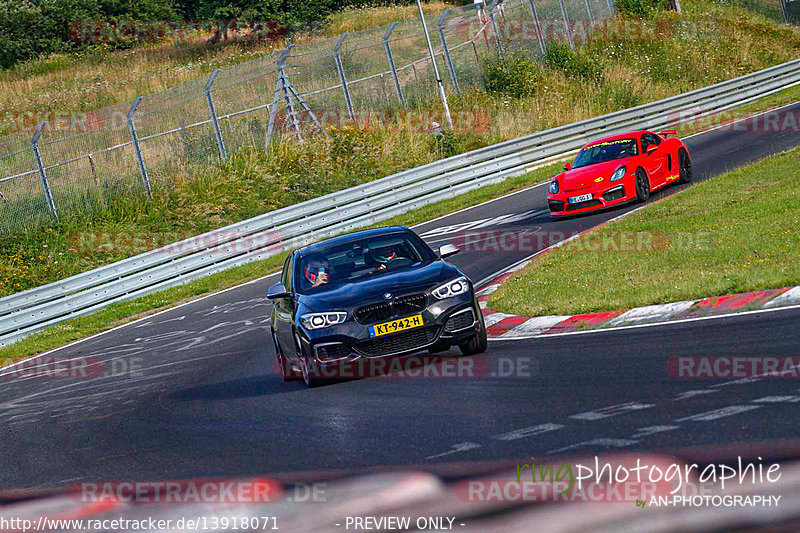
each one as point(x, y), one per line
point(347, 262)
point(606, 151)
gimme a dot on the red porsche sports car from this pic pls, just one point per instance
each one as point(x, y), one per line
point(619, 169)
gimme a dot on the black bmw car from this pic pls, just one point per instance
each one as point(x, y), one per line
point(367, 295)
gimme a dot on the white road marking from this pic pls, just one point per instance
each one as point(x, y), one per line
point(692, 393)
point(614, 410)
point(596, 443)
point(652, 313)
point(457, 448)
point(652, 430)
point(716, 414)
point(534, 326)
point(528, 432)
point(790, 297)
point(778, 399)
point(494, 318)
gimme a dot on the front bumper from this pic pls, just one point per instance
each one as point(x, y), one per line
point(446, 322)
point(603, 196)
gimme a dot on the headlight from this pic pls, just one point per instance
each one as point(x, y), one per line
point(323, 320)
point(618, 174)
point(554, 187)
point(451, 288)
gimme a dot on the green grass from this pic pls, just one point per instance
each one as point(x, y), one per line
point(734, 233)
point(121, 313)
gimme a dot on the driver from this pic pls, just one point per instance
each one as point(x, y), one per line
point(383, 255)
point(317, 271)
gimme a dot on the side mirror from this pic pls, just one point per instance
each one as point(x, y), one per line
point(650, 149)
point(277, 291)
point(567, 166)
point(448, 250)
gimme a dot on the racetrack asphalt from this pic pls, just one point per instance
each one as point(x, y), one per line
point(191, 392)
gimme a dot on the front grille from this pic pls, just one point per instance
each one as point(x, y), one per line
point(407, 341)
point(582, 205)
point(400, 306)
point(555, 205)
point(614, 194)
point(459, 321)
point(330, 352)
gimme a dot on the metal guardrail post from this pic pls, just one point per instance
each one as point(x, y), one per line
point(501, 52)
point(446, 51)
point(273, 112)
point(213, 112)
point(51, 205)
point(612, 9)
point(564, 14)
point(783, 10)
point(535, 15)
point(136, 148)
point(340, 68)
point(386, 44)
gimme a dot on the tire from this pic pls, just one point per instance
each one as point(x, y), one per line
point(642, 186)
point(309, 376)
point(478, 343)
point(285, 370)
point(685, 166)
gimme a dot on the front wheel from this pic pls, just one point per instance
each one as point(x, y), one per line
point(685, 165)
point(478, 343)
point(310, 373)
point(285, 369)
point(642, 186)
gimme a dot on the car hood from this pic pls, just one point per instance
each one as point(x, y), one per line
point(354, 294)
point(589, 176)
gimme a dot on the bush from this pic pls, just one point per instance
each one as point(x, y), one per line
point(29, 28)
point(561, 57)
point(639, 9)
point(518, 76)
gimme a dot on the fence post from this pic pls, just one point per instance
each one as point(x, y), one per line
point(386, 39)
point(500, 50)
point(612, 8)
point(51, 205)
point(340, 68)
point(273, 112)
point(535, 15)
point(589, 11)
point(446, 51)
point(566, 23)
point(136, 148)
point(213, 112)
point(432, 54)
point(784, 11)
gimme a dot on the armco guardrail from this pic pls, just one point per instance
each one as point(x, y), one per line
point(274, 232)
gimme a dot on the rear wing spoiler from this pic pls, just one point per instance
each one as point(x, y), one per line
point(667, 133)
